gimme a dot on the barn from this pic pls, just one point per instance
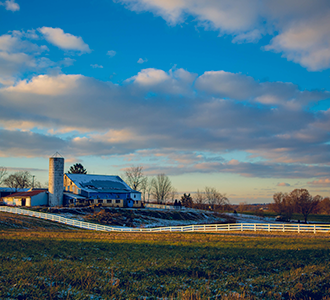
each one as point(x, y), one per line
point(105, 190)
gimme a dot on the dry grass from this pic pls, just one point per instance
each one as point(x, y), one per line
point(80, 264)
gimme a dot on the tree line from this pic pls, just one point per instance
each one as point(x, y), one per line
point(160, 188)
point(299, 201)
point(18, 180)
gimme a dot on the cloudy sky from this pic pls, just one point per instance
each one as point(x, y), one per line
point(229, 94)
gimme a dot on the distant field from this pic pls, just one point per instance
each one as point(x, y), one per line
point(311, 218)
point(77, 264)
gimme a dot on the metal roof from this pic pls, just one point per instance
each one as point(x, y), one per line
point(100, 183)
point(26, 194)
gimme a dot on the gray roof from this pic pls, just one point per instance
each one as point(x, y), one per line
point(100, 183)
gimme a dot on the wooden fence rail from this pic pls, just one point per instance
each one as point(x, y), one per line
point(287, 227)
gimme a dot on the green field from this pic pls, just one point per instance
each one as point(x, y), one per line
point(75, 264)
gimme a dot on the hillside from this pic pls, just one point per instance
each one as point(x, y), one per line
point(140, 217)
point(12, 221)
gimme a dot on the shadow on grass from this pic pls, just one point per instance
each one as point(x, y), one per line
point(66, 265)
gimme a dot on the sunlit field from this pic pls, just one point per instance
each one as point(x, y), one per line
point(63, 263)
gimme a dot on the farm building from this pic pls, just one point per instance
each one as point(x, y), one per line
point(72, 189)
point(33, 197)
point(105, 190)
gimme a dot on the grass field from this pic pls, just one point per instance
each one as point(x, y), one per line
point(311, 218)
point(295, 217)
point(63, 263)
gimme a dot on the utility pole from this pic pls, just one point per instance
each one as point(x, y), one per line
point(33, 181)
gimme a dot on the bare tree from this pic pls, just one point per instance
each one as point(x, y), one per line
point(304, 202)
point(243, 206)
point(144, 188)
point(284, 204)
point(134, 177)
point(3, 173)
point(173, 194)
point(213, 197)
point(161, 187)
point(325, 206)
point(19, 180)
point(199, 197)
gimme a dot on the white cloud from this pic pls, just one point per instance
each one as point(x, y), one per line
point(306, 42)
point(10, 5)
point(300, 28)
point(66, 41)
point(46, 85)
point(96, 66)
point(283, 184)
point(111, 53)
point(17, 55)
point(178, 81)
point(179, 119)
point(141, 61)
point(245, 88)
point(151, 76)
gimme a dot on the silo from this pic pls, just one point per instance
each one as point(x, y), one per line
point(55, 186)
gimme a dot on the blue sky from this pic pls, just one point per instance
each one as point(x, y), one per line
point(233, 95)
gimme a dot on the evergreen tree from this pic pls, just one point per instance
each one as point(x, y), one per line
point(77, 169)
point(186, 200)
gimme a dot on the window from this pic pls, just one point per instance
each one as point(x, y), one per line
point(109, 201)
point(134, 196)
point(117, 201)
point(99, 201)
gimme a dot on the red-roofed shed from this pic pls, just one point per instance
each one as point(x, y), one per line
point(30, 198)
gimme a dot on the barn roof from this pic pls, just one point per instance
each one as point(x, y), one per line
point(100, 183)
point(27, 194)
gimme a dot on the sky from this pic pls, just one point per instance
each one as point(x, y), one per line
point(227, 94)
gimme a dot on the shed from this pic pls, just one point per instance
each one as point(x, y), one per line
point(30, 198)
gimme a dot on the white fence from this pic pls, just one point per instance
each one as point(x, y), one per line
point(299, 228)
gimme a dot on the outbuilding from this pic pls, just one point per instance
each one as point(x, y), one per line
point(30, 198)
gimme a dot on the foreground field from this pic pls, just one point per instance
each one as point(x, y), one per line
point(76, 264)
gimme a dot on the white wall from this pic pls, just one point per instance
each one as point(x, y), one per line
point(40, 199)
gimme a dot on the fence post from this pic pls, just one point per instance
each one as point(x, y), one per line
point(228, 227)
point(314, 228)
point(298, 228)
point(268, 227)
point(216, 227)
point(283, 225)
point(255, 227)
point(241, 226)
